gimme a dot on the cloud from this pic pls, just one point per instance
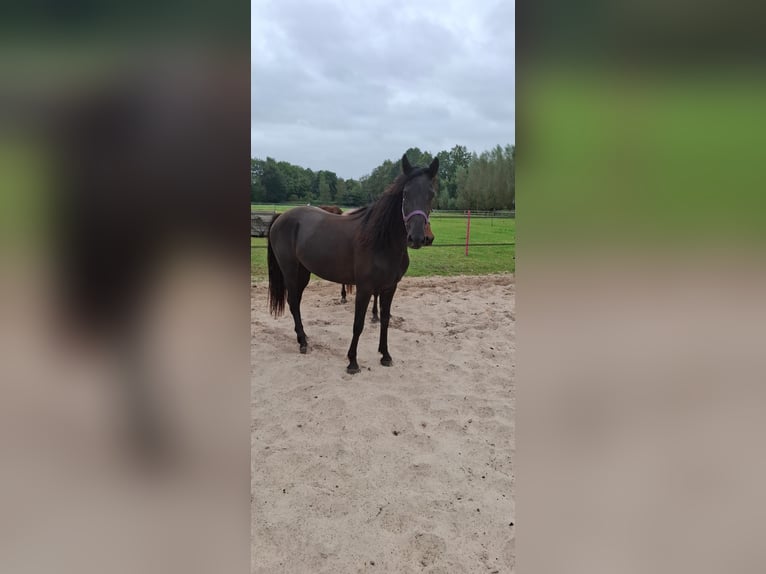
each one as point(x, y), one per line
point(343, 86)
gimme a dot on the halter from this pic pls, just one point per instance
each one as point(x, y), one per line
point(413, 213)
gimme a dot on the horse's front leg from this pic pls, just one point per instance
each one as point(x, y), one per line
point(385, 315)
point(362, 301)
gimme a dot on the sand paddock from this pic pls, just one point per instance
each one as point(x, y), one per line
point(400, 469)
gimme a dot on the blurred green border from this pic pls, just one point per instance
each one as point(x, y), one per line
point(642, 157)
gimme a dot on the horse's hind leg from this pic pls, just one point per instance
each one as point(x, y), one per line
point(386, 298)
point(342, 293)
point(294, 296)
point(375, 309)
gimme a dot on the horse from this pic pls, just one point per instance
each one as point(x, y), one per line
point(366, 248)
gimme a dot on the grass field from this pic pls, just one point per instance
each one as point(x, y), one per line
point(279, 208)
point(437, 260)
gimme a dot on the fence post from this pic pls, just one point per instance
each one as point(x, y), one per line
point(467, 232)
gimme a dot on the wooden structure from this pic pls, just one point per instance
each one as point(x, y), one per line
point(259, 222)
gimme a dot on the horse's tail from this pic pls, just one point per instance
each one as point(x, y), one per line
point(277, 291)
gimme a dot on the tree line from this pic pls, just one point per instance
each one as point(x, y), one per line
point(466, 180)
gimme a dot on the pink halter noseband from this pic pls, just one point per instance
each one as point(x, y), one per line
point(412, 214)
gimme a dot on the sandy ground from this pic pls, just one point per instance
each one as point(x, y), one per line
point(399, 469)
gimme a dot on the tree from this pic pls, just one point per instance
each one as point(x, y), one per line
point(442, 199)
point(296, 180)
point(273, 182)
point(340, 192)
point(466, 180)
point(459, 157)
point(257, 191)
point(463, 199)
point(381, 177)
point(354, 196)
point(324, 197)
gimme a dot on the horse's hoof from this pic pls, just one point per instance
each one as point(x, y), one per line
point(386, 361)
point(352, 370)
point(342, 300)
point(304, 348)
point(375, 319)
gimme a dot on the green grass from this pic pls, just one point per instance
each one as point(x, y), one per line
point(279, 208)
point(436, 260)
point(269, 207)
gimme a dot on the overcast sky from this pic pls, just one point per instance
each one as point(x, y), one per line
point(343, 85)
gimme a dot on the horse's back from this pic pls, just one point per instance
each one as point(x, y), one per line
point(313, 220)
point(320, 241)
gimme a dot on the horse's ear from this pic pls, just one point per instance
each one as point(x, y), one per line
point(433, 168)
point(406, 167)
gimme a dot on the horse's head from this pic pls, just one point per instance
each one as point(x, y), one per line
point(417, 195)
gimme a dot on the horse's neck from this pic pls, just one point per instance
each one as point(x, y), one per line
point(399, 242)
point(396, 238)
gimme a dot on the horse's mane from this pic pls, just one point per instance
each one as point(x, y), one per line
point(383, 217)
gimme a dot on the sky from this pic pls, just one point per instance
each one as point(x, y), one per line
point(344, 85)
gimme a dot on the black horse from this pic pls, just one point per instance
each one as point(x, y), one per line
point(366, 248)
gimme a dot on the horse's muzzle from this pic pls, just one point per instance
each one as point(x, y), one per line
point(415, 243)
